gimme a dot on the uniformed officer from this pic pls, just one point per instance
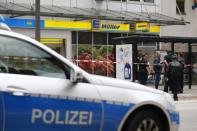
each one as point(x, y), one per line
point(174, 75)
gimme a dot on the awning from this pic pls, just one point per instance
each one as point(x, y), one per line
point(138, 38)
point(17, 10)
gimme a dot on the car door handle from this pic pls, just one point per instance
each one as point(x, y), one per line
point(17, 91)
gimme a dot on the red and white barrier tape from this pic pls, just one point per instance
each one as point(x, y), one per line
point(98, 61)
point(88, 61)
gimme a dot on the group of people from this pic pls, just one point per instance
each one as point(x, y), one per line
point(173, 72)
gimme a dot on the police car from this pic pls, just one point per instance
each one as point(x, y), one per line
point(42, 91)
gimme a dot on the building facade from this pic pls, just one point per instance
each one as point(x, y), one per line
point(90, 47)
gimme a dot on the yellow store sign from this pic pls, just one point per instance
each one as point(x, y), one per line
point(155, 29)
point(71, 25)
point(52, 41)
point(98, 26)
point(114, 27)
point(142, 27)
point(78, 25)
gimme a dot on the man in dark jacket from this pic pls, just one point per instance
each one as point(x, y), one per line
point(174, 76)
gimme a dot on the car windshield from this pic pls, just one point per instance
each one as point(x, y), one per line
point(21, 57)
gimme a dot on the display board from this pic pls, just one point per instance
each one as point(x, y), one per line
point(124, 66)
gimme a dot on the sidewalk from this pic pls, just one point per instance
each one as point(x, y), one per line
point(188, 94)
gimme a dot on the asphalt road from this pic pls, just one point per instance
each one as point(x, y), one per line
point(188, 115)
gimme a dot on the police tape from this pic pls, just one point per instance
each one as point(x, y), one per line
point(114, 62)
point(90, 61)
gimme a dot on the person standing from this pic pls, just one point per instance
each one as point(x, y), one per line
point(167, 60)
point(136, 68)
point(143, 70)
point(174, 75)
point(157, 69)
point(182, 61)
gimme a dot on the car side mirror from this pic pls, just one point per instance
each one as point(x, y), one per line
point(76, 76)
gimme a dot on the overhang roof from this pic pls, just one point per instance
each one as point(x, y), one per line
point(137, 38)
point(17, 10)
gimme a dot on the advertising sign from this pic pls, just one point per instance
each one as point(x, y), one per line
point(114, 27)
point(69, 25)
point(142, 27)
point(96, 25)
point(132, 27)
point(124, 69)
point(22, 23)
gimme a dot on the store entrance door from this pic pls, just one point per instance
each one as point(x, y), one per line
point(57, 44)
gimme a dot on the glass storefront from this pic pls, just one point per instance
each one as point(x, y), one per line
point(93, 52)
point(149, 49)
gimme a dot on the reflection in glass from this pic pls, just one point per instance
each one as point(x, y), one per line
point(97, 58)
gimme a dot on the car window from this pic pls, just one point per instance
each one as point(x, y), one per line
point(21, 57)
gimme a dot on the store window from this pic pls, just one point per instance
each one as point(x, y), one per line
point(149, 1)
point(149, 49)
point(181, 49)
point(94, 53)
point(84, 37)
point(82, 50)
point(180, 9)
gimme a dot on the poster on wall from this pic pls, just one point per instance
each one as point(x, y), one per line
point(124, 69)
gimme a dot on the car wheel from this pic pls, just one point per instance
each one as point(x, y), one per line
point(146, 121)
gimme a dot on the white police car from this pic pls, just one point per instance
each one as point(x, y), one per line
point(42, 91)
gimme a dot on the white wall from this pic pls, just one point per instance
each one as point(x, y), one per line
point(168, 7)
point(189, 30)
point(127, 6)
